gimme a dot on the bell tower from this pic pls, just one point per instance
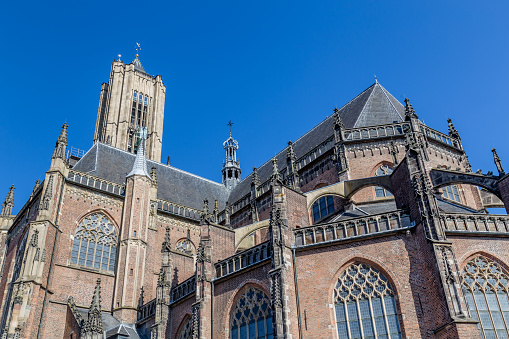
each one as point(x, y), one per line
point(231, 166)
point(130, 100)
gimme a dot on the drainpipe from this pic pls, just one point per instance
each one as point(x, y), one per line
point(297, 291)
point(52, 256)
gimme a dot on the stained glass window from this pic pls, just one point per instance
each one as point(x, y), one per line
point(381, 192)
point(187, 330)
point(95, 243)
point(486, 287)
point(364, 304)
point(252, 316)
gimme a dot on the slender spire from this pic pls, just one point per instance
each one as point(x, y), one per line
point(37, 184)
point(166, 243)
point(189, 250)
point(231, 166)
point(140, 163)
point(255, 179)
point(338, 122)
point(498, 162)
point(153, 176)
point(275, 171)
point(453, 132)
point(61, 144)
point(8, 203)
point(95, 321)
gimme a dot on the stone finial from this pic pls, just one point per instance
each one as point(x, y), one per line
point(160, 278)
point(409, 110)
point(188, 249)
point(142, 295)
point(153, 175)
point(498, 162)
point(290, 153)
point(48, 194)
point(166, 247)
point(275, 171)
point(140, 163)
point(8, 203)
point(37, 184)
point(338, 122)
point(61, 144)
point(95, 322)
point(255, 179)
point(453, 132)
point(168, 161)
point(216, 211)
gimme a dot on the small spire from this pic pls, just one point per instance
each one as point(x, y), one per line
point(453, 132)
point(255, 180)
point(95, 321)
point(168, 161)
point(409, 110)
point(8, 203)
point(37, 184)
point(338, 122)
point(189, 250)
point(290, 154)
point(216, 210)
point(166, 243)
point(61, 144)
point(206, 206)
point(153, 175)
point(275, 171)
point(140, 163)
point(498, 162)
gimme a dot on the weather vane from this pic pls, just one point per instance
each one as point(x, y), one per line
point(138, 48)
point(230, 123)
point(376, 79)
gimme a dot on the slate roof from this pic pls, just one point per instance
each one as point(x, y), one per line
point(374, 106)
point(175, 185)
point(112, 327)
point(138, 66)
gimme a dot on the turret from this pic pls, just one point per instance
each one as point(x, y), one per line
point(231, 166)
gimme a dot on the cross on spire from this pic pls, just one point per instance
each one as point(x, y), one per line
point(230, 123)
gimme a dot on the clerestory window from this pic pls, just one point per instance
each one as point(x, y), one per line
point(451, 192)
point(252, 316)
point(364, 304)
point(95, 243)
point(486, 287)
point(381, 192)
point(323, 207)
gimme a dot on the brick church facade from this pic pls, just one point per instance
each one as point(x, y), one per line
point(370, 225)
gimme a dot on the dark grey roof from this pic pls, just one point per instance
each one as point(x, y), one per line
point(122, 331)
point(137, 65)
point(374, 106)
point(175, 185)
point(450, 207)
point(366, 209)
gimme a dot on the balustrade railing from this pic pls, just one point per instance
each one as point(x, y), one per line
point(350, 228)
point(441, 137)
point(173, 208)
point(95, 182)
point(475, 222)
point(375, 132)
point(183, 289)
point(146, 311)
point(243, 260)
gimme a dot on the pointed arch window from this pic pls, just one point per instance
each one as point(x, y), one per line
point(365, 305)
point(451, 192)
point(95, 243)
point(486, 287)
point(185, 245)
point(323, 207)
point(252, 316)
point(187, 330)
point(381, 192)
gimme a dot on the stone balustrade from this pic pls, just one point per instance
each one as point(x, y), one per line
point(95, 182)
point(173, 208)
point(243, 260)
point(182, 290)
point(441, 137)
point(475, 222)
point(374, 132)
point(146, 311)
point(351, 228)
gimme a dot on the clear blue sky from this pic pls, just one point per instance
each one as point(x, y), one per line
point(275, 68)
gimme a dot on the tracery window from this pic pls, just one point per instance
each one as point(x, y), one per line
point(187, 330)
point(323, 207)
point(252, 316)
point(381, 192)
point(95, 243)
point(486, 287)
point(451, 192)
point(185, 245)
point(364, 304)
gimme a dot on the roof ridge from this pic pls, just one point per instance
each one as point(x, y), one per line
point(384, 91)
point(366, 102)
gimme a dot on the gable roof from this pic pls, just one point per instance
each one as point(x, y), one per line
point(175, 185)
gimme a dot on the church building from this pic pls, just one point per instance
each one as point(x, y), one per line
point(370, 225)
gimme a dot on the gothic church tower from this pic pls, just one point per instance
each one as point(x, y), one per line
point(131, 99)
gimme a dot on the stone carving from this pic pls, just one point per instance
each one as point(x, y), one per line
point(95, 196)
point(34, 241)
point(166, 243)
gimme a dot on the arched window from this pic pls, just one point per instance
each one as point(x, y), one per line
point(381, 192)
point(252, 316)
point(451, 192)
point(95, 243)
point(323, 207)
point(364, 303)
point(185, 245)
point(486, 287)
point(186, 332)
